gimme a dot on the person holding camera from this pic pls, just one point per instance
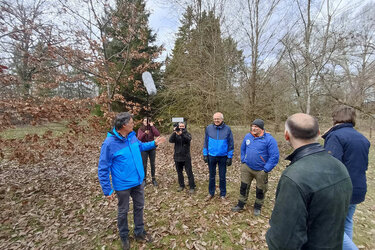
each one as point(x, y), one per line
point(146, 133)
point(181, 139)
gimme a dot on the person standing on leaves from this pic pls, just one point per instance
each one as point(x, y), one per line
point(259, 155)
point(146, 133)
point(350, 147)
point(181, 139)
point(120, 159)
point(313, 193)
point(218, 150)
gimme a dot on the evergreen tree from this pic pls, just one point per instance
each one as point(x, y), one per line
point(200, 77)
point(130, 52)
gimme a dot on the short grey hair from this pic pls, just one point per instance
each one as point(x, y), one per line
point(221, 115)
point(121, 120)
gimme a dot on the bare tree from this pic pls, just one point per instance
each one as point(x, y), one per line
point(350, 80)
point(28, 40)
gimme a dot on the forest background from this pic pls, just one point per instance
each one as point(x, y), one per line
point(67, 67)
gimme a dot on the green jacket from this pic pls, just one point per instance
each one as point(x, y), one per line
point(312, 200)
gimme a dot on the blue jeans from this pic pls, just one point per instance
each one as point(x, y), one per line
point(137, 194)
point(221, 161)
point(348, 243)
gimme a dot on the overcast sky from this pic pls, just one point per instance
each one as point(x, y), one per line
point(165, 15)
point(164, 20)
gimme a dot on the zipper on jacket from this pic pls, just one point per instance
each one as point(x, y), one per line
point(262, 158)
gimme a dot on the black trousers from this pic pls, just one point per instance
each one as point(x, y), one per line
point(152, 155)
point(189, 172)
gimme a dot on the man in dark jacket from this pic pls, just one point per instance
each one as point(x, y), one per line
point(313, 193)
point(218, 150)
point(181, 139)
point(350, 147)
point(259, 155)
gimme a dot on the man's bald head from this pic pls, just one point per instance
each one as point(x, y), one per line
point(302, 126)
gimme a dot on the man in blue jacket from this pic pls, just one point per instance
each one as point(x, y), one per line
point(259, 155)
point(352, 148)
point(120, 157)
point(218, 150)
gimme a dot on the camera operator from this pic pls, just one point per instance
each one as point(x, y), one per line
point(181, 139)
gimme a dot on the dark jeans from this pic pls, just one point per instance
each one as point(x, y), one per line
point(221, 161)
point(189, 172)
point(137, 194)
point(152, 155)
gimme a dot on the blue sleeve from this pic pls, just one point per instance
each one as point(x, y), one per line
point(334, 147)
point(104, 167)
point(145, 146)
point(243, 150)
point(230, 144)
point(274, 154)
point(205, 144)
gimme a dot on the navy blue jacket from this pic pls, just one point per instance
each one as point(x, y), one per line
point(351, 148)
point(218, 141)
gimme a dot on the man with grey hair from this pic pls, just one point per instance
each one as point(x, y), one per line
point(120, 158)
point(218, 150)
point(313, 193)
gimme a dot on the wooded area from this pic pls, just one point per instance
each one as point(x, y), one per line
point(247, 59)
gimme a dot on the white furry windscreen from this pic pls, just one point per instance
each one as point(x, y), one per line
point(149, 83)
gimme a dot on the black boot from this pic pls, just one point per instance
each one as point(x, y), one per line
point(239, 207)
point(154, 182)
point(257, 209)
point(125, 244)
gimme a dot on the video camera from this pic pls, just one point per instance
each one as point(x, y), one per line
point(176, 121)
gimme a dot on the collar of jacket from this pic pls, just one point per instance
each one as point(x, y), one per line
point(120, 136)
point(220, 126)
point(304, 151)
point(262, 134)
point(336, 127)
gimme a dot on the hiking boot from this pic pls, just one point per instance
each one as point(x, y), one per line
point(238, 207)
point(154, 183)
point(191, 191)
point(256, 211)
point(143, 237)
point(125, 244)
point(180, 189)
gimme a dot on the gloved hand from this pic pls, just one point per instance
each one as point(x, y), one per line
point(229, 161)
point(205, 158)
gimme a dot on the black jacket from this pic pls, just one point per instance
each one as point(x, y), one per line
point(181, 145)
point(312, 200)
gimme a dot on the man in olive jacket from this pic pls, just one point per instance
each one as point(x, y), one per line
point(313, 193)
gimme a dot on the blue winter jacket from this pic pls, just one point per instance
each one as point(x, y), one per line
point(218, 141)
point(351, 148)
point(121, 157)
point(260, 153)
